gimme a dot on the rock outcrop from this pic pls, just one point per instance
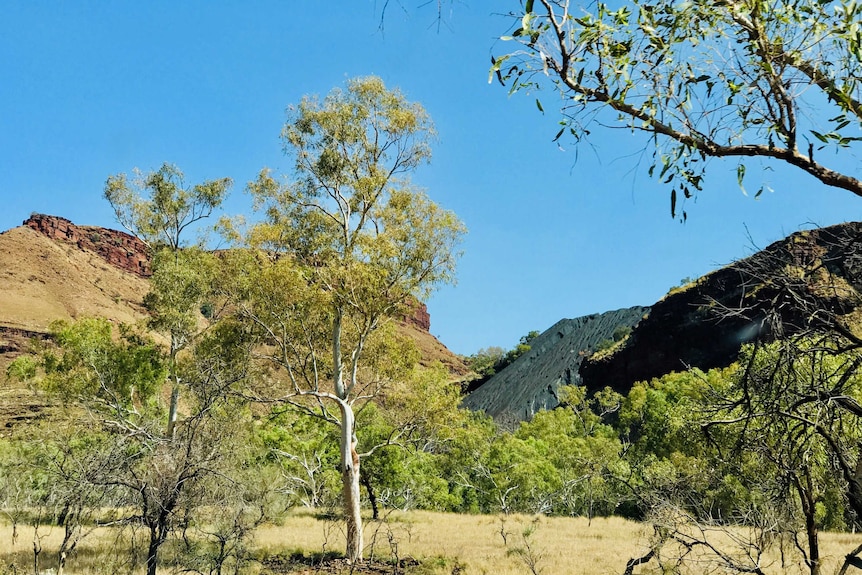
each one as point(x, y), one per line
point(117, 248)
point(531, 382)
point(809, 276)
point(418, 316)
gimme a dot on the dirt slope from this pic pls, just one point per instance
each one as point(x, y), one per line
point(51, 269)
point(42, 280)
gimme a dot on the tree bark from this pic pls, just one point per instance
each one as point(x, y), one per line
point(805, 491)
point(372, 498)
point(350, 483)
point(175, 389)
point(153, 553)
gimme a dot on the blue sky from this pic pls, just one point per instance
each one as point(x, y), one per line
point(89, 89)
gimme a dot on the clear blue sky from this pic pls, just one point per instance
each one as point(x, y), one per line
point(89, 89)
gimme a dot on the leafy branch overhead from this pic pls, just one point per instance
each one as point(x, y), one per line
point(772, 79)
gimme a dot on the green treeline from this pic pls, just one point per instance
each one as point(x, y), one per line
point(688, 448)
point(682, 438)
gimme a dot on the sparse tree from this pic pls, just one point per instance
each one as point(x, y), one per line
point(779, 432)
point(159, 210)
point(113, 383)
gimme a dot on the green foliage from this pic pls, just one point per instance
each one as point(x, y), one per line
point(351, 211)
point(661, 67)
point(488, 361)
point(770, 442)
point(306, 451)
point(658, 418)
point(621, 332)
point(106, 451)
point(94, 366)
point(22, 369)
point(180, 285)
point(362, 241)
point(485, 361)
point(795, 406)
point(158, 208)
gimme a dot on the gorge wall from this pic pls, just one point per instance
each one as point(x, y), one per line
point(810, 276)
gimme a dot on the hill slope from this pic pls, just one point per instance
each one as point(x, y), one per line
point(807, 277)
point(531, 382)
point(43, 280)
point(52, 269)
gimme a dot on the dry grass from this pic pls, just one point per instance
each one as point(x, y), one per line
point(43, 280)
point(444, 543)
point(474, 542)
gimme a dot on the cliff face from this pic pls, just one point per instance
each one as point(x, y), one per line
point(531, 382)
point(418, 316)
point(791, 283)
point(117, 248)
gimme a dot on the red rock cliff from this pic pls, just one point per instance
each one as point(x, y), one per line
point(117, 248)
point(418, 316)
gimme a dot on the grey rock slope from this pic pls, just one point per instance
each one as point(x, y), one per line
point(530, 384)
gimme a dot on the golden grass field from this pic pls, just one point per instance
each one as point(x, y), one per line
point(443, 543)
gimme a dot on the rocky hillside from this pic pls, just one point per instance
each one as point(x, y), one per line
point(43, 279)
point(52, 269)
point(531, 382)
point(810, 276)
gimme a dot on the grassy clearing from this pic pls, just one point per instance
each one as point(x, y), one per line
point(443, 543)
point(474, 543)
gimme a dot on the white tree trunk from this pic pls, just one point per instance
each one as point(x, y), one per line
point(350, 483)
point(175, 389)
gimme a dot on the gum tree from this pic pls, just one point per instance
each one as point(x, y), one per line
point(159, 209)
point(775, 80)
point(345, 244)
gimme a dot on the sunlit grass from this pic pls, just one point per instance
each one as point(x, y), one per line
point(474, 542)
point(443, 543)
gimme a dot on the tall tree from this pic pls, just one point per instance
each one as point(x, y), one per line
point(348, 242)
point(159, 209)
point(731, 79)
